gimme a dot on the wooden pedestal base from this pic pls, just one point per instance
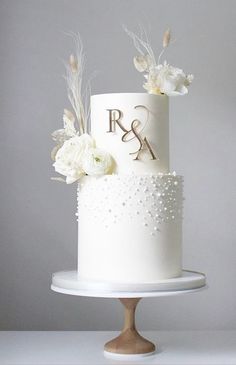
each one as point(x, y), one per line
point(129, 342)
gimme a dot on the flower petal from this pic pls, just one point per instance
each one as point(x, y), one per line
point(97, 162)
point(54, 151)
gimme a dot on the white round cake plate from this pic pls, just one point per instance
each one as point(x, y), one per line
point(69, 282)
point(129, 345)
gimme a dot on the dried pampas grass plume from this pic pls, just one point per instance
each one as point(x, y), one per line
point(78, 94)
point(166, 38)
point(146, 58)
point(73, 63)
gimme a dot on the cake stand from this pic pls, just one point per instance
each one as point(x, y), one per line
point(129, 345)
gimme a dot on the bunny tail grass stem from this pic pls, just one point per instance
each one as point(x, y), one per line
point(160, 55)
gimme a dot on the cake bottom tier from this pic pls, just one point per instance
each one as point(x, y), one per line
point(130, 228)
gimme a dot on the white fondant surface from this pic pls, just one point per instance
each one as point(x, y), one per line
point(130, 223)
point(153, 124)
point(130, 228)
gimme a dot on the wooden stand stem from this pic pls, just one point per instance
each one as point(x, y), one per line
point(129, 341)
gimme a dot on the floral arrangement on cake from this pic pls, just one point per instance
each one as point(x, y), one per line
point(76, 154)
point(160, 78)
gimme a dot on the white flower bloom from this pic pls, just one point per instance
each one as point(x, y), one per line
point(97, 162)
point(152, 84)
point(142, 63)
point(166, 79)
point(68, 160)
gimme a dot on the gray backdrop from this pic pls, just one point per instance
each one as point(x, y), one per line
point(38, 225)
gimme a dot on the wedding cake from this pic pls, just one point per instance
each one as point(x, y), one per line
point(129, 203)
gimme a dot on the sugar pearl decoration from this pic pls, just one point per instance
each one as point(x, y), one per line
point(122, 199)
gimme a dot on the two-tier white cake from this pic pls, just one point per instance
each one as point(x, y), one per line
point(130, 222)
point(129, 203)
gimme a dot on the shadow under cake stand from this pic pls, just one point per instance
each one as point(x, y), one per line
point(129, 344)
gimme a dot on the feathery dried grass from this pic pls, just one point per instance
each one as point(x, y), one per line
point(142, 45)
point(78, 98)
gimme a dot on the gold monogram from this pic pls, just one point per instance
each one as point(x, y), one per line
point(136, 128)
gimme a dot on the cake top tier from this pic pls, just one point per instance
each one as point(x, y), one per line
point(129, 132)
point(134, 129)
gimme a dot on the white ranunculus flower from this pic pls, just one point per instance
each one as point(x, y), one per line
point(97, 162)
point(169, 80)
point(69, 158)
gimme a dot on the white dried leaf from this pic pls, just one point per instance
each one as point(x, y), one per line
point(142, 63)
point(59, 136)
point(69, 121)
point(60, 179)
